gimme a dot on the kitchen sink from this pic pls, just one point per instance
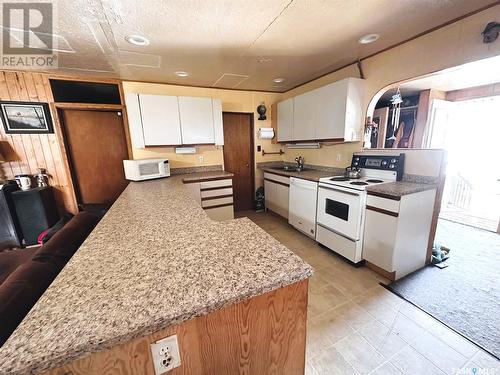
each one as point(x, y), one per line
point(293, 169)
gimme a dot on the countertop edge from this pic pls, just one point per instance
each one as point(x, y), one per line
point(67, 359)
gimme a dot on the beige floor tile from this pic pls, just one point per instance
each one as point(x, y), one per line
point(333, 326)
point(406, 328)
point(440, 354)
point(486, 361)
point(380, 310)
point(359, 353)
point(356, 316)
point(453, 339)
point(386, 369)
point(323, 299)
point(410, 362)
point(331, 362)
point(382, 339)
point(418, 316)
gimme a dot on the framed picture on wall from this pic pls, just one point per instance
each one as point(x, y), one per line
point(26, 118)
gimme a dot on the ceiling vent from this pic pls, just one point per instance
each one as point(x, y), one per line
point(230, 81)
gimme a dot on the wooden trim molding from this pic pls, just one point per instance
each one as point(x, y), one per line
point(216, 197)
point(382, 195)
point(218, 206)
point(382, 211)
point(277, 182)
point(90, 106)
point(388, 275)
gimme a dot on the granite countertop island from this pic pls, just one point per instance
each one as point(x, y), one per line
point(154, 261)
point(397, 189)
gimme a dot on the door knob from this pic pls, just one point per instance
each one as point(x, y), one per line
point(246, 165)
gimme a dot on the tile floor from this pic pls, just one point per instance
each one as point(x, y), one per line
point(355, 326)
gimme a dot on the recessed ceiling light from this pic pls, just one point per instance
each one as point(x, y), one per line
point(368, 38)
point(278, 80)
point(181, 73)
point(262, 60)
point(137, 40)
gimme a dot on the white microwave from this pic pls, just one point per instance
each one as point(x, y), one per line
point(146, 169)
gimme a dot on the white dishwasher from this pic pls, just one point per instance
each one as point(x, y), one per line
point(302, 205)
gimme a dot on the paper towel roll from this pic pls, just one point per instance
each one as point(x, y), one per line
point(266, 133)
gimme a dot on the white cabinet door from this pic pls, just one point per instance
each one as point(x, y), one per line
point(270, 194)
point(160, 120)
point(134, 120)
point(302, 205)
point(218, 125)
point(285, 120)
point(282, 200)
point(331, 104)
point(379, 239)
point(197, 122)
point(304, 116)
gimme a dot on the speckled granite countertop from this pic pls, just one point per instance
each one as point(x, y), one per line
point(153, 261)
point(398, 189)
point(308, 174)
point(200, 176)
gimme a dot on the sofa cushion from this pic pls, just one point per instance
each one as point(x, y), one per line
point(61, 247)
point(10, 260)
point(20, 291)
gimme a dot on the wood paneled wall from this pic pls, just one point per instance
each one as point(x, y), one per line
point(27, 152)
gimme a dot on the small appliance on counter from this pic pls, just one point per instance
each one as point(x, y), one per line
point(146, 169)
point(24, 181)
point(42, 178)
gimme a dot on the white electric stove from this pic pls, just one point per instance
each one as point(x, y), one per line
point(341, 203)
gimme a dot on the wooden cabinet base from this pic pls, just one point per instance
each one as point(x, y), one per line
point(261, 335)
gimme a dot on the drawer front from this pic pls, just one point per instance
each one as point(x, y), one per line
point(277, 178)
point(216, 192)
point(337, 243)
point(383, 203)
point(216, 202)
point(216, 183)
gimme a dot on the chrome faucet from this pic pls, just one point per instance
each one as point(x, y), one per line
point(300, 163)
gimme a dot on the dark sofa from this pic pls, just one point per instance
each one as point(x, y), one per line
point(25, 274)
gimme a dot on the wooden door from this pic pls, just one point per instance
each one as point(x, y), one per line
point(238, 157)
point(97, 146)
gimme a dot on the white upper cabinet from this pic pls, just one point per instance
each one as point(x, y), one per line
point(304, 116)
point(218, 125)
point(197, 122)
point(160, 120)
point(285, 120)
point(134, 120)
point(334, 111)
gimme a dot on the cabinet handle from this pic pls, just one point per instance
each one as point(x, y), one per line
point(382, 211)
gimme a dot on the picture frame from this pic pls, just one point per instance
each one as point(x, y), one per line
point(26, 117)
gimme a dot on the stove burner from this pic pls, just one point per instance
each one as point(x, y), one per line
point(374, 181)
point(358, 183)
point(339, 179)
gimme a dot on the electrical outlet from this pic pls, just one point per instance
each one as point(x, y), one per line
point(201, 159)
point(166, 354)
point(339, 157)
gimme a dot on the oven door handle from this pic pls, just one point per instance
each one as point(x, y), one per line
point(339, 190)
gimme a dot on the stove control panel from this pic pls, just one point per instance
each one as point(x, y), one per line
point(382, 162)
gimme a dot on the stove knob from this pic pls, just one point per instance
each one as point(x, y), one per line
point(391, 166)
point(355, 163)
point(384, 162)
point(393, 161)
point(356, 158)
